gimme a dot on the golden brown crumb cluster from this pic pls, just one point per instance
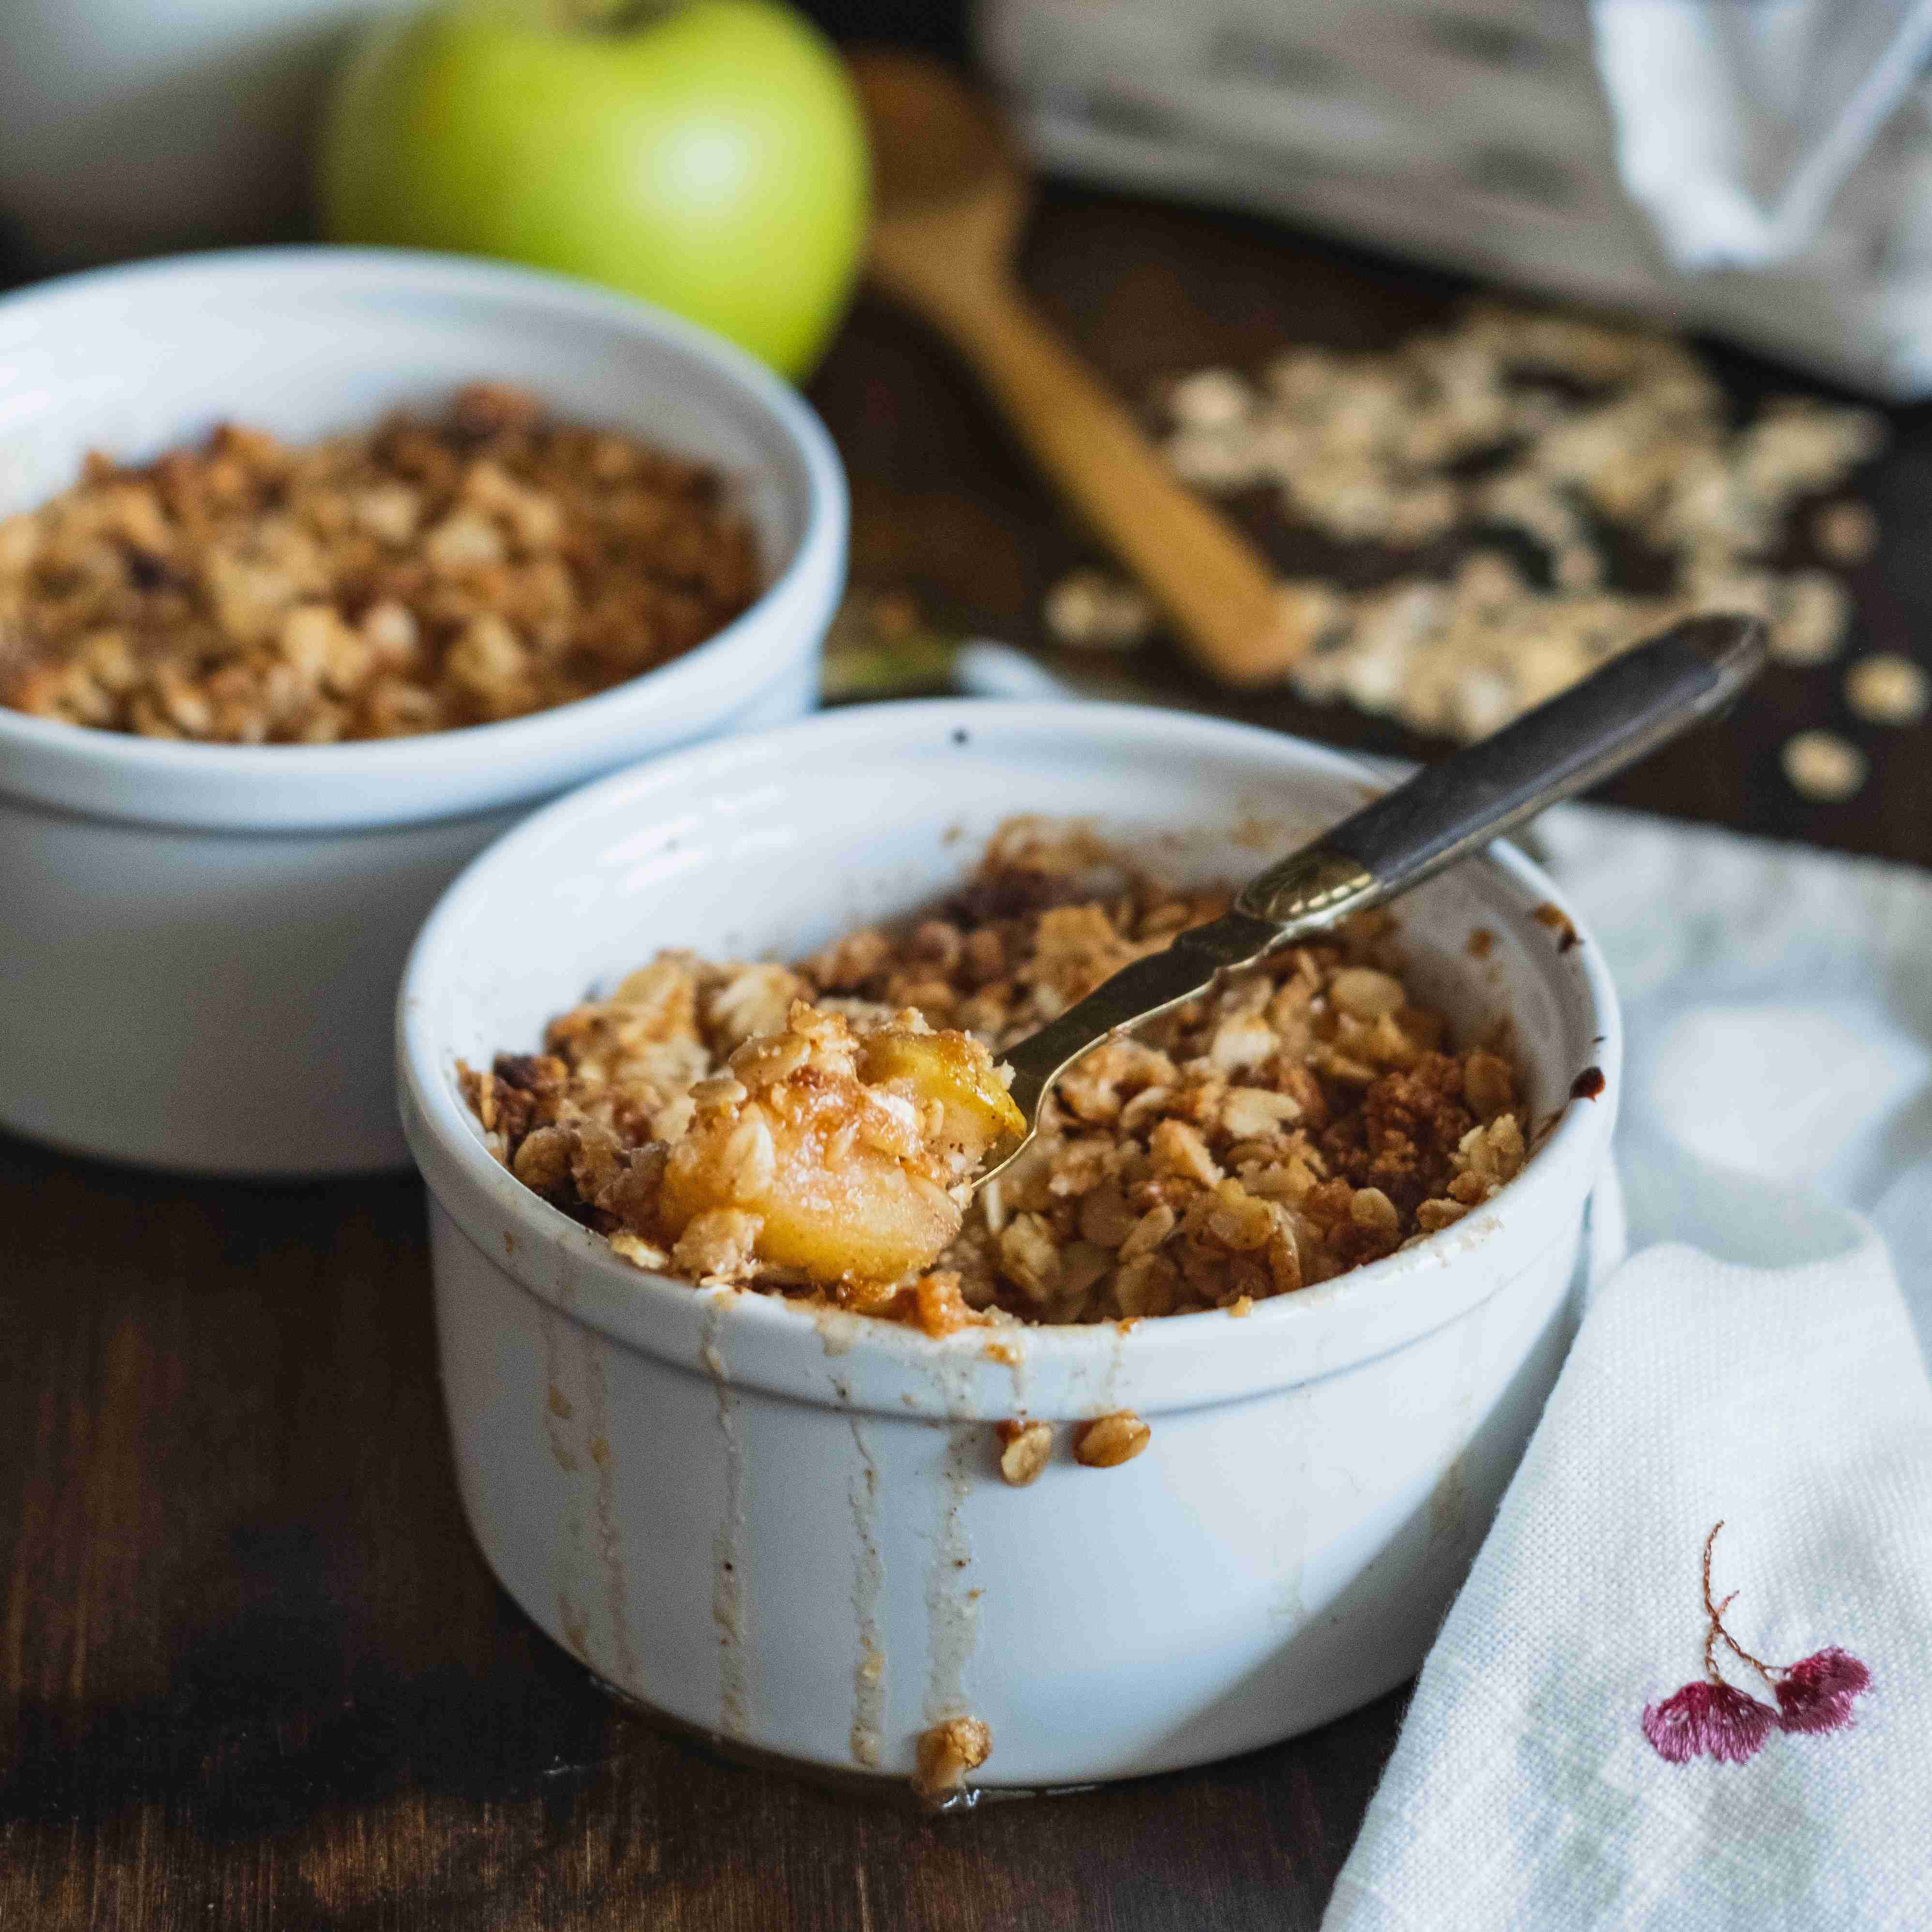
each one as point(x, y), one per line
point(1306, 1117)
point(946, 1753)
point(421, 576)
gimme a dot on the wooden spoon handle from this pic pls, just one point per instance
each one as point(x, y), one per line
point(1218, 590)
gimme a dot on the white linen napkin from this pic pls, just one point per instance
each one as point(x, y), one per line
point(1779, 1005)
point(1778, 1009)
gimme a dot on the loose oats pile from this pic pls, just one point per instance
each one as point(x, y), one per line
point(1305, 1118)
point(421, 576)
point(1525, 458)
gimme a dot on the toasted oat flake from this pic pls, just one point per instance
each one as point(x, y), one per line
point(1110, 1440)
point(1810, 614)
point(641, 1254)
point(1092, 611)
point(1884, 689)
point(1025, 1450)
point(947, 1753)
point(1823, 766)
point(1363, 993)
point(1845, 533)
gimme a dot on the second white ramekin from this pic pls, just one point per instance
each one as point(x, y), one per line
point(202, 941)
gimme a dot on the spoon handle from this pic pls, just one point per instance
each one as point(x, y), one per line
point(1620, 714)
point(1217, 589)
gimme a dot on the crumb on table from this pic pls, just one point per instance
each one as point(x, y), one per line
point(1886, 689)
point(946, 1753)
point(1090, 611)
point(1824, 766)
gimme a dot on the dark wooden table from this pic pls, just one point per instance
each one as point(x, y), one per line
point(252, 1672)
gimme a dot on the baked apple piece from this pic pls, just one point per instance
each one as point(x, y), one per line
point(852, 1150)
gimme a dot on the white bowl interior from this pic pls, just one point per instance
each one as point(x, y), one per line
point(771, 848)
point(307, 342)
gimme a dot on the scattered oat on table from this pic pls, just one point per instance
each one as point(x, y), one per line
point(1090, 611)
point(1885, 689)
point(423, 574)
point(1512, 431)
point(1845, 533)
point(1823, 766)
point(1210, 399)
point(1110, 1440)
point(1809, 613)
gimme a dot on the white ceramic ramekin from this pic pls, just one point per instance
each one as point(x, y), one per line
point(787, 1527)
point(201, 942)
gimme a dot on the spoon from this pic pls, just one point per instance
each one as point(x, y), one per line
point(951, 194)
point(1612, 718)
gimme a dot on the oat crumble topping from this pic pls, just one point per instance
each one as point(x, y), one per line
point(1305, 1118)
point(425, 575)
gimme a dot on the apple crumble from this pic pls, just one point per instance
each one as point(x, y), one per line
point(812, 1129)
point(427, 573)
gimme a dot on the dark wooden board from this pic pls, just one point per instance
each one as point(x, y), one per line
point(255, 1673)
point(252, 1672)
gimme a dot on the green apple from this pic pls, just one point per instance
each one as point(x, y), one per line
point(709, 156)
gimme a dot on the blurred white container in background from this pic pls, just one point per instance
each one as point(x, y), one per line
point(1764, 171)
point(200, 942)
point(130, 127)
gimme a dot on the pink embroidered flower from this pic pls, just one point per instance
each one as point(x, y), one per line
point(1717, 1720)
point(1816, 1692)
point(1712, 1718)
